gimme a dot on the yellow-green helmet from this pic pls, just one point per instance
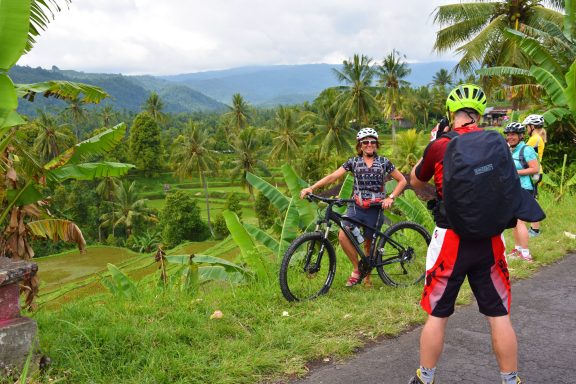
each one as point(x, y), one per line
point(466, 96)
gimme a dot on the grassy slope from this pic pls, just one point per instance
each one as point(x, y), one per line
point(169, 338)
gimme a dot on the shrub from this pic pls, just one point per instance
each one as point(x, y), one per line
point(180, 220)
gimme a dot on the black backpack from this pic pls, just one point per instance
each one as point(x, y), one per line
point(480, 187)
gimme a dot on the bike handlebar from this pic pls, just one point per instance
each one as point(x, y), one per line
point(338, 202)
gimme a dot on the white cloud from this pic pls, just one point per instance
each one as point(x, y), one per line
point(177, 36)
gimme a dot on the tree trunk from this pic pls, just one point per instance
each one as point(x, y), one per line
point(205, 186)
point(393, 116)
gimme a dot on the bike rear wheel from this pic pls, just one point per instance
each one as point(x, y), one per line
point(308, 267)
point(404, 264)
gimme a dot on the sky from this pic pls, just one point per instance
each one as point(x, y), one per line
point(183, 36)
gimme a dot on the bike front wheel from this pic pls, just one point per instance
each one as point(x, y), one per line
point(401, 257)
point(308, 267)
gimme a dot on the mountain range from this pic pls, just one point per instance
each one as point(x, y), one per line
point(263, 86)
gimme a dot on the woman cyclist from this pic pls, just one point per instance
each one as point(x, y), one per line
point(515, 138)
point(370, 171)
point(535, 126)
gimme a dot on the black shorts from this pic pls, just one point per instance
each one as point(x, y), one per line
point(372, 216)
point(451, 259)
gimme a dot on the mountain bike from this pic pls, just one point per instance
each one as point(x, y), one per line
point(309, 264)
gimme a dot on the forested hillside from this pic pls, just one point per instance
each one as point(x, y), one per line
point(127, 92)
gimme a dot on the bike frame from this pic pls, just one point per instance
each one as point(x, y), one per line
point(332, 216)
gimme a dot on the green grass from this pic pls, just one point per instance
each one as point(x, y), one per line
point(168, 337)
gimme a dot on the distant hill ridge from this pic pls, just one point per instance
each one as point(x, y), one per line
point(211, 90)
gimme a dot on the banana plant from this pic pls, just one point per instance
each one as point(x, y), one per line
point(21, 198)
point(119, 284)
point(552, 52)
point(250, 254)
point(196, 269)
point(559, 182)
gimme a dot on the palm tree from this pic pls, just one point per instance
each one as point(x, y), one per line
point(476, 29)
point(442, 78)
point(423, 103)
point(392, 72)
point(357, 101)
point(127, 208)
point(76, 113)
point(191, 155)
point(330, 134)
point(239, 115)
point(107, 189)
point(107, 114)
point(51, 137)
point(288, 134)
point(248, 157)
point(154, 107)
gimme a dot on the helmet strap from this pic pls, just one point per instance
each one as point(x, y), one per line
point(472, 120)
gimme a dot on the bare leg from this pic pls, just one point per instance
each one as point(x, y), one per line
point(521, 234)
point(432, 341)
point(536, 225)
point(349, 249)
point(504, 343)
point(367, 245)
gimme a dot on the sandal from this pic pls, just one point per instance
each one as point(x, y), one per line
point(353, 279)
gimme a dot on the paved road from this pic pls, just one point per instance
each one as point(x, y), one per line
point(543, 314)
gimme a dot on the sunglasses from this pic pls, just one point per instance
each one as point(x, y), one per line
point(366, 142)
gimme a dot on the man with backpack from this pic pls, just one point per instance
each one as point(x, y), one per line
point(527, 165)
point(471, 212)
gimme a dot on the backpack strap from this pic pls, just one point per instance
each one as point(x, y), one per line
point(522, 158)
point(450, 135)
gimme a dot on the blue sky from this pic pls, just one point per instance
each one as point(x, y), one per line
point(180, 36)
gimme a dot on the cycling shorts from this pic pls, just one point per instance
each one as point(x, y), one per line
point(451, 259)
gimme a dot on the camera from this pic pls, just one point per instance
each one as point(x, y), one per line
point(443, 123)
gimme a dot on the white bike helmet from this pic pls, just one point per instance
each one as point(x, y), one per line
point(536, 120)
point(366, 132)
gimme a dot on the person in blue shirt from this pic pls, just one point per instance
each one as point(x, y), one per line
point(527, 164)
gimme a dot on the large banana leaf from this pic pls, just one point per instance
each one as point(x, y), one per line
point(8, 99)
point(263, 238)
point(206, 259)
point(553, 115)
point(570, 90)
point(89, 171)
point(96, 145)
point(503, 71)
point(553, 87)
point(14, 19)
point(24, 196)
point(289, 227)
point(295, 185)
point(250, 253)
point(345, 192)
point(120, 284)
point(40, 12)
point(218, 273)
point(12, 120)
point(570, 19)
point(56, 229)
point(65, 90)
point(217, 268)
point(414, 209)
point(277, 199)
point(537, 53)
